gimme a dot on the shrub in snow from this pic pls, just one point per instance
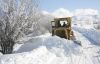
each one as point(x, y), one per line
point(17, 20)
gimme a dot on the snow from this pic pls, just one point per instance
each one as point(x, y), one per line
point(88, 11)
point(50, 42)
point(46, 49)
point(61, 12)
point(92, 34)
point(1, 54)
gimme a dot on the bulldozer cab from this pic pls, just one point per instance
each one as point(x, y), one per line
point(62, 27)
point(61, 22)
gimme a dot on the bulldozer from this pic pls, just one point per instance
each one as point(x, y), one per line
point(62, 27)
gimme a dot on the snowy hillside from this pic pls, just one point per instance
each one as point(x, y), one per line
point(86, 20)
point(46, 49)
point(92, 34)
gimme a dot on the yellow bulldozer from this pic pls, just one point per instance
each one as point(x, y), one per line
point(62, 27)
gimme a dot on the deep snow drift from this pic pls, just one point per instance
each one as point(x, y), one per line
point(92, 34)
point(46, 49)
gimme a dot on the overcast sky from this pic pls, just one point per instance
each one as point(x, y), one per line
point(51, 5)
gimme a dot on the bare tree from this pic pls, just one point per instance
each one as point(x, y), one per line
point(17, 21)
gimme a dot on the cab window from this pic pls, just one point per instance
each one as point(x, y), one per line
point(63, 23)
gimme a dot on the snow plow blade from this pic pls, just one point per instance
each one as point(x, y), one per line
point(77, 42)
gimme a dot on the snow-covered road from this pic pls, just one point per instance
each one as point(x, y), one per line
point(46, 49)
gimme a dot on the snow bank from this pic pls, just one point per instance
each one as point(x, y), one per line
point(53, 50)
point(54, 44)
point(40, 55)
point(91, 34)
point(37, 56)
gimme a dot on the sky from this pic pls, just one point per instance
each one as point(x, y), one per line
point(51, 5)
